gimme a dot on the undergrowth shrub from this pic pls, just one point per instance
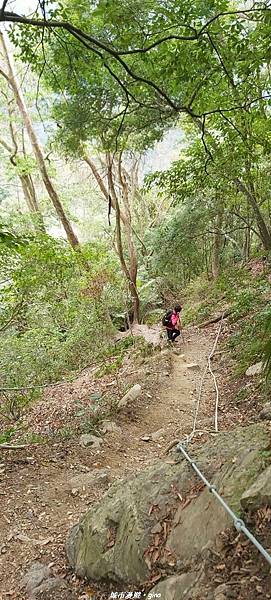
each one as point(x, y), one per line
point(248, 342)
point(53, 313)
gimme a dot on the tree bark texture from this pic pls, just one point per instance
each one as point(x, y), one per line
point(264, 231)
point(123, 222)
point(18, 95)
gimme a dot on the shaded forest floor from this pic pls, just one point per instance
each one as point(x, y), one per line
point(40, 498)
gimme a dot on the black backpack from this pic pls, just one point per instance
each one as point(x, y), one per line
point(166, 321)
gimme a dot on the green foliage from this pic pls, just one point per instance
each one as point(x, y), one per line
point(247, 297)
point(33, 438)
point(53, 311)
point(197, 313)
point(25, 165)
point(55, 305)
point(100, 408)
point(7, 435)
point(8, 239)
point(113, 356)
point(267, 347)
point(249, 340)
point(245, 301)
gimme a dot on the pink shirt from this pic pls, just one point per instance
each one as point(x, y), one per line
point(174, 318)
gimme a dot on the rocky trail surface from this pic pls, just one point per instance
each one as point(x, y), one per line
point(46, 488)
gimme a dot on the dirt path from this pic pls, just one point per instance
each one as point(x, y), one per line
point(38, 502)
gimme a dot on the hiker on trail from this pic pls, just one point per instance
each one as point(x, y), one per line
point(172, 322)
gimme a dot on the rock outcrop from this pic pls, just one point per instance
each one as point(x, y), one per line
point(265, 413)
point(259, 494)
point(40, 584)
point(165, 515)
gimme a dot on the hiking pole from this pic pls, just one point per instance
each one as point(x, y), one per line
point(182, 336)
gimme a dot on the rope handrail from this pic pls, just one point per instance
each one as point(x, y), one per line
point(208, 366)
point(238, 523)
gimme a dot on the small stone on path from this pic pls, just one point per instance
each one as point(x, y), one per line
point(110, 427)
point(254, 369)
point(97, 477)
point(157, 435)
point(193, 366)
point(90, 440)
point(133, 393)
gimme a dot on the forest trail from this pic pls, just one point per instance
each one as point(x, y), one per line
point(39, 499)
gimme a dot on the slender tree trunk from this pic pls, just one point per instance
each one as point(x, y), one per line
point(102, 185)
point(131, 277)
point(247, 244)
point(27, 187)
point(71, 236)
point(128, 224)
point(264, 232)
point(31, 200)
point(217, 242)
point(123, 219)
point(216, 255)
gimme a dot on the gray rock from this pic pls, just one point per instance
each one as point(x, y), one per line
point(97, 477)
point(265, 413)
point(111, 539)
point(259, 494)
point(110, 427)
point(254, 369)
point(222, 592)
point(40, 585)
point(174, 588)
point(157, 435)
point(193, 532)
point(133, 393)
point(35, 576)
point(53, 589)
point(87, 439)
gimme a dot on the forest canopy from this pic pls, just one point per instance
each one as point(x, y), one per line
point(88, 91)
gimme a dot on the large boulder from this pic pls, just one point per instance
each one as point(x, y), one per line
point(164, 514)
point(259, 494)
point(265, 413)
point(191, 532)
point(111, 539)
point(176, 587)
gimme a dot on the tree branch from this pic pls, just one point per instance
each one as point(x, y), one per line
point(3, 9)
point(14, 314)
point(11, 447)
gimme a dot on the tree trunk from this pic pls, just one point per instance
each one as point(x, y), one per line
point(27, 187)
point(264, 232)
point(217, 242)
point(122, 218)
point(102, 185)
point(31, 200)
point(71, 236)
point(128, 224)
point(131, 276)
